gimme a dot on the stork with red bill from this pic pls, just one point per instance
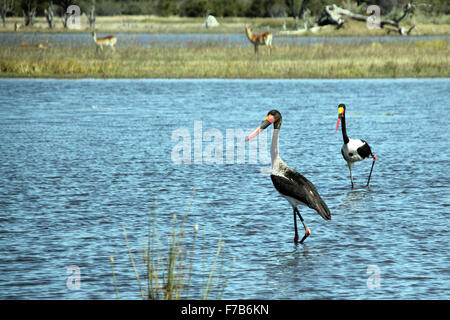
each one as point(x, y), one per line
point(353, 150)
point(294, 187)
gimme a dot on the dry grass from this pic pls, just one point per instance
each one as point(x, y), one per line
point(375, 60)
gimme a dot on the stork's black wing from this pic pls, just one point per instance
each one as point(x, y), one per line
point(296, 186)
point(364, 151)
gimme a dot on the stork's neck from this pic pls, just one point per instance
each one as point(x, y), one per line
point(344, 130)
point(274, 156)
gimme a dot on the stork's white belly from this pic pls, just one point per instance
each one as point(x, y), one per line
point(350, 150)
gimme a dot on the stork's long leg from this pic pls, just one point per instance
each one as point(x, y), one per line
point(307, 230)
point(351, 174)
point(295, 226)
point(370, 174)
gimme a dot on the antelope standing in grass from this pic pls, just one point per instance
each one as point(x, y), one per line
point(264, 39)
point(105, 41)
point(37, 45)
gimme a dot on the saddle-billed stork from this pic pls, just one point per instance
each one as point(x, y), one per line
point(288, 182)
point(353, 150)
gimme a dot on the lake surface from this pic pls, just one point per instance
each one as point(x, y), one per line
point(177, 40)
point(81, 159)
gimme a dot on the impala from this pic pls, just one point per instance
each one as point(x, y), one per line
point(105, 41)
point(259, 39)
point(37, 45)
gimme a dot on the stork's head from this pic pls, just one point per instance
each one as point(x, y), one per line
point(273, 117)
point(341, 114)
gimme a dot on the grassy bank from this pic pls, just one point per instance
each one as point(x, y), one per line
point(153, 24)
point(375, 60)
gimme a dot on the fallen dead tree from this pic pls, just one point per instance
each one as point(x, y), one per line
point(334, 15)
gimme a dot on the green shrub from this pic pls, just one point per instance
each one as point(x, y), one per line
point(196, 8)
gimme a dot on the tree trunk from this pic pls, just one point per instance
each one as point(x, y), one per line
point(302, 9)
point(29, 16)
point(49, 15)
point(91, 17)
point(29, 12)
point(6, 8)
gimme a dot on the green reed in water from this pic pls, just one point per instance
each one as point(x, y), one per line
point(169, 271)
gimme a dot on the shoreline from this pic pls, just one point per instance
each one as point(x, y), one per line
point(17, 77)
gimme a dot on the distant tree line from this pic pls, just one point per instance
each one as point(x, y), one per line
point(199, 8)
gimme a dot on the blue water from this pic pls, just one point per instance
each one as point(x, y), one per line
point(195, 39)
point(81, 159)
